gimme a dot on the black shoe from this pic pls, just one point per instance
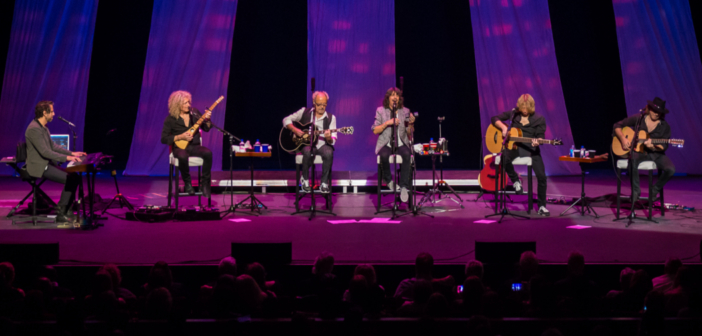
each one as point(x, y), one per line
point(205, 187)
point(635, 196)
point(654, 194)
point(63, 216)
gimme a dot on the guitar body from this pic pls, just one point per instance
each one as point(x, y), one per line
point(488, 176)
point(291, 143)
point(184, 143)
point(493, 139)
point(628, 133)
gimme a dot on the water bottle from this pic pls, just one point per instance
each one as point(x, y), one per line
point(572, 151)
point(242, 146)
point(582, 151)
point(257, 146)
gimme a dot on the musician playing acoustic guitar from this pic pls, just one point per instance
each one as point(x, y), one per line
point(181, 116)
point(323, 121)
point(533, 125)
point(657, 128)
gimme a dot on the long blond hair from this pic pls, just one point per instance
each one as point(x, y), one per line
point(176, 100)
point(526, 100)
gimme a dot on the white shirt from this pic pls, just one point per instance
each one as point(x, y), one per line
point(319, 125)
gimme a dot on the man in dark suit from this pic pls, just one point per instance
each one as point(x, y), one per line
point(43, 156)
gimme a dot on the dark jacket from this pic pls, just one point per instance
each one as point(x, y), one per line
point(662, 131)
point(536, 128)
point(41, 150)
point(173, 127)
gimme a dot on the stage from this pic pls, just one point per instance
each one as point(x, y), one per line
point(449, 236)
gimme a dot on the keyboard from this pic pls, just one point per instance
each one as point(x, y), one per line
point(88, 163)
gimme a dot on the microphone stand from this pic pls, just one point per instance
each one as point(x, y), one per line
point(232, 207)
point(502, 199)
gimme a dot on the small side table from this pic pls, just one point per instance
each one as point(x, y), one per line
point(583, 200)
point(255, 202)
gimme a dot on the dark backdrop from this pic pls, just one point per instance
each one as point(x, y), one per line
point(434, 51)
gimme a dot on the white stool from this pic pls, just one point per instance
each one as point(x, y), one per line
point(173, 166)
point(380, 190)
point(298, 188)
point(650, 166)
point(519, 161)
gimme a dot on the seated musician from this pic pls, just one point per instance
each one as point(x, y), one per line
point(384, 120)
point(43, 154)
point(181, 116)
point(657, 128)
point(533, 125)
point(323, 121)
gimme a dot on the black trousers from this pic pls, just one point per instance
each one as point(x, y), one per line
point(327, 154)
point(70, 182)
point(537, 164)
point(662, 162)
point(197, 151)
point(404, 152)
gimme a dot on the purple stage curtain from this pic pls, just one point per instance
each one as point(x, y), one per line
point(351, 54)
point(660, 58)
point(190, 47)
point(48, 59)
point(514, 54)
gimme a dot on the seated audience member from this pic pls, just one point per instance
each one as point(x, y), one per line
point(102, 302)
point(542, 298)
point(665, 282)
point(11, 299)
point(678, 297)
point(516, 290)
point(256, 271)
point(222, 303)
point(160, 276)
point(322, 280)
point(249, 296)
point(576, 291)
point(158, 304)
point(356, 297)
point(624, 283)
point(49, 272)
point(471, 296)
point(421, 290)
point(376, 292)
point(437, 306)
point(120, 292)
point(226, 266)
point(35, 307)
point(474, 268)
point(423, 266)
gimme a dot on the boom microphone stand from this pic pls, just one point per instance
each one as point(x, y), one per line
point(232, 206)
point(502, 200)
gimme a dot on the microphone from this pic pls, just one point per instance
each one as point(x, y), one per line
point(66, 121)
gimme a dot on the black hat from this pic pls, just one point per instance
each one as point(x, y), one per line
point(658, 105)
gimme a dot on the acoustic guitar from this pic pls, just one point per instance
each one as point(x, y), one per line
point(291, 143)
point(494, 139)
point(184, 143)
point(628, 133)
point(488, 176)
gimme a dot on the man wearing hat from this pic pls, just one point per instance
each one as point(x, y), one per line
point(652, 120)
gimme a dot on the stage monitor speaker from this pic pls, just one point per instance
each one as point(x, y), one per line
point(30, 253)
point(267, 254)
point(502, 252)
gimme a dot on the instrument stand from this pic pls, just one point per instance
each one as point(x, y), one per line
point(256, 204)
point(232, 206)
point(313, 206)
point(583, 200)
point(502, 200)
point(429, 195)
point(123, 202)
point(441, 176)
point(632, 215)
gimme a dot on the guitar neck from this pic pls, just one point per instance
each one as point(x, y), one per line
point(331, 130)
point(656, 141)
point(202, 119)
point(529, 140)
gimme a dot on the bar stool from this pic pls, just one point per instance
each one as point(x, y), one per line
point(173, 167)
point(301, 193)
point(521, 161)
point(34, 218)
point(380, 190)
point(649, 166)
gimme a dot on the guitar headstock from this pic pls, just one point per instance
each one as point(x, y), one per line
point(557, 142)
point(346, 130)
point(677, 142)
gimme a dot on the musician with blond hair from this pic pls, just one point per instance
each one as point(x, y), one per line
point(181, 117)
point(533, 125)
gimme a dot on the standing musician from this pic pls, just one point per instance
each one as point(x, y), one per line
point(43, 153)
point(657, 128)
point(181, 116)
point(394, 112)
point(533, 125)
point(323, 121)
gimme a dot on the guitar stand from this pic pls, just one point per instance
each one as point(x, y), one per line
point(123, 202)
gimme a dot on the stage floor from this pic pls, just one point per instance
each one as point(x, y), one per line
point(449, 236)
